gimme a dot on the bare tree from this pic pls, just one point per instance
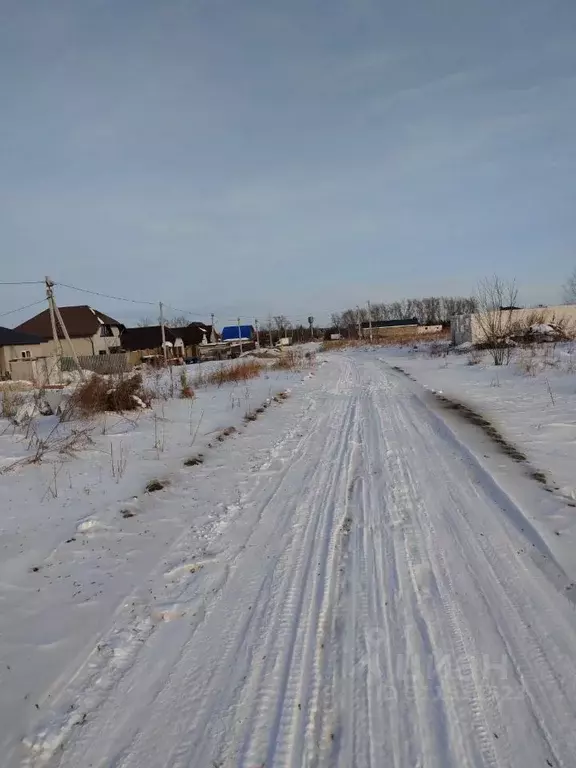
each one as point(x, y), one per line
point(144, 322)
point(180, 321)
point(336, 319)
point(570, 289)
point(349, 319)
point(496, 300)
point(281, 323)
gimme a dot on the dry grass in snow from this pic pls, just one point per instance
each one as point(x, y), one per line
point(98, 395)
point(234, 373)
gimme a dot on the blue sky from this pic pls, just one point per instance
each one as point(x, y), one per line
point(247, 156)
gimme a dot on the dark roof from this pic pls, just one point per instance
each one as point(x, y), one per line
point(80, 321)
point(193, 333)
point(390, 323)
point(150, 336)
point(147, 337)
point(8, 337)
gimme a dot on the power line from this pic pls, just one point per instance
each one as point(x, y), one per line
point(25, 282)
point(27, 306)
point(106, 295)
point(292, 318)
point(184, 311)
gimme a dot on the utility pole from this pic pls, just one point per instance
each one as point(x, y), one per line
point(56, 316)
point(257, 332)
point(358, 320)
point(370, 322)
point(57, 343)
point(240, 335)
point(270, 329)
point(163, 331)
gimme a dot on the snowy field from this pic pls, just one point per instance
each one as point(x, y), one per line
point(78, 534)
point(358, 578)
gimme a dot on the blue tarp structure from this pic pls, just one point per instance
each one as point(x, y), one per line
point(231, 332)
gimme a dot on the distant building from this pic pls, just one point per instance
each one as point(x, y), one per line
point(91, 332)
point(468, 328)
point(146, 341)
point(15, 346)
point(238, 332)
point(386, 328)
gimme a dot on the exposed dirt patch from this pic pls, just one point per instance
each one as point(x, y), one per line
point(228, 432)
point(155, 485)
point(347, 525)
point(504, 445)
point(402, 371)
point(539, 476)
point(486, 426)
point(193, 461)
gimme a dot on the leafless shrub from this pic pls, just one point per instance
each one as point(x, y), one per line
point(496, 300)
point(200, 378)
point(159, 432)
point(436, 349)
point(541, 326)
point(10, 401)
point(527, 362)
point(570, 365)
point(98, 395)
point(118, 462)
point(536, 358)
point(52, 489)
point(157, 386)
point(288, 361)
point(475, 357)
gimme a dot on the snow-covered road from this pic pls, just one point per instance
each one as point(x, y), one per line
point(371, 598)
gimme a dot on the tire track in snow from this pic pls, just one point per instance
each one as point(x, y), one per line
point(422, 544)
point(512, 592)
